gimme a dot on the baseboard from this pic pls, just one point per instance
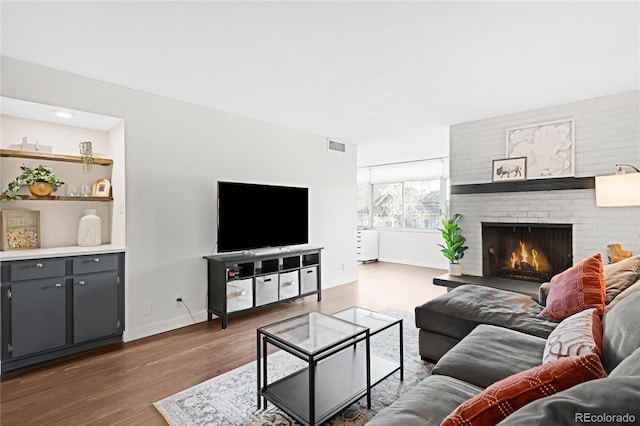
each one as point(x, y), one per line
point(136, 333)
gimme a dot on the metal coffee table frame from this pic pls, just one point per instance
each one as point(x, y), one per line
point(333, 379)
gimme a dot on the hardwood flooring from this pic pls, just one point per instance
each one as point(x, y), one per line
point(117, 385)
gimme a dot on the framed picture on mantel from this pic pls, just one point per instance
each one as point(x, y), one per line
point(549, 148)
point(509, 169)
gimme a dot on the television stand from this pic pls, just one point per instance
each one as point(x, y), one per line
point(242, 282)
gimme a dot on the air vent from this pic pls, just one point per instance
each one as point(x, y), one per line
point(337, 146)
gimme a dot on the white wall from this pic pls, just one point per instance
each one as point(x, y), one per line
point(607, 132)
point(175, 153)
point(412, 248)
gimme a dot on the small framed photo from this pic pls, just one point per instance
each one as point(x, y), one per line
point(101, 188)
point(20, 229)
point(508, 169)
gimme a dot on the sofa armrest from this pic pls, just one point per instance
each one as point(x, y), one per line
point(543, 292)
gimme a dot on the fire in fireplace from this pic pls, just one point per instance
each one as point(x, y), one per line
point(529, 252)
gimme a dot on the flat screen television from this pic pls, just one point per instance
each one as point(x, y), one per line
point(253, 216)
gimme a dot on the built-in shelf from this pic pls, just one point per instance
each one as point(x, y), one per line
point(49, 156)
point(553, 184)
point(57, 198)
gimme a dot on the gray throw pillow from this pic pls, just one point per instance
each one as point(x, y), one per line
point(615, 397)
point(630, 366)
point(620, 336)
point(620, 275)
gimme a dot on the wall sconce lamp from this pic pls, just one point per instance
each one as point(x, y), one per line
point(619, 190)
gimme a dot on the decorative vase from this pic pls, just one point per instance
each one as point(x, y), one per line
point(89, 229)
point(41, 189)
point(455, 269)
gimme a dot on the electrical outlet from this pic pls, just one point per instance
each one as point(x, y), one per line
point(179, 301)
point(146, 308)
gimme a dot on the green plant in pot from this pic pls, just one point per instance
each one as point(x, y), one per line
point(41, 181)
point(453, 247)
point(86, 151)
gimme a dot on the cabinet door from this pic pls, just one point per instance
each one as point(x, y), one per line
point(95, 306)
point(38, 316)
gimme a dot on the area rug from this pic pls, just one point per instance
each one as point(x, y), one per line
point(230, 399)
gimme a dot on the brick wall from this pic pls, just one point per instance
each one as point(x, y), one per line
point(607, 132)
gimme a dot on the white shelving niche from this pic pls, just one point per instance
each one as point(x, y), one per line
point(59, 214)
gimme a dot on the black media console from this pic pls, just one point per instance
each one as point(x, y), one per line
point(242, 282)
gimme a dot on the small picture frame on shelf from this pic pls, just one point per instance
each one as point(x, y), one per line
point(101, 188)
point(20, 229)
point(509, 169)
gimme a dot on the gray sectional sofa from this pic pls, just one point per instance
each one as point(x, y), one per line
point(480, 335)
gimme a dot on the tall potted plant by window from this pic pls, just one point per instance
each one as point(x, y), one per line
point(453, 247)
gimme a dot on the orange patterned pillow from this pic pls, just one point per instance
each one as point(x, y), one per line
point(576, 289)
point(502, 398)
point(579, 334)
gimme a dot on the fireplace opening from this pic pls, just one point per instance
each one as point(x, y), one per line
point(528, 252)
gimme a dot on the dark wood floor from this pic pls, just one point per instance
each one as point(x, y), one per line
point(118, 385)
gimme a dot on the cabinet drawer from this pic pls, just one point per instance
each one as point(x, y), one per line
point(95, 263)
point(289, 285)
point(37, 268)
point(239, 295)
point(308, 279)
point(266, 289)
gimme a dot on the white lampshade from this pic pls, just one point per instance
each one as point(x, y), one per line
point(618, 190)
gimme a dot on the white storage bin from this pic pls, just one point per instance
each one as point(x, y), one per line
point(239, 295)
point(308, 279)
point(289, 285)
point(266, 289)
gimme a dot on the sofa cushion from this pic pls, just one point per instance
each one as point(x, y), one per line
point(576, 289)
point(506, 396)
point(630, 366)
point(620, 335)
point(579, 334)
point(613, 396)
point(620, 275)
point(633, 288)
point(428, 403)
point(489, 354)
point(457, 312)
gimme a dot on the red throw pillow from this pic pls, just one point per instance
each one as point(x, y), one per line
point(502, 398)
point(576, 289)
point(579, 334)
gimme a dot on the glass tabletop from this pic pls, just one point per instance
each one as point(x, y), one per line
point(372, 320)
point(312, 332)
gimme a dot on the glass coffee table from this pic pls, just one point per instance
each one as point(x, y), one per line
point(340, 368)
point(381, 366)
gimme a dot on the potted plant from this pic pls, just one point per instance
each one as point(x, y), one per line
point(41, 181)
point(86, 152)
point(453, 247)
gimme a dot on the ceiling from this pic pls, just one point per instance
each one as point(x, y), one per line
point(390, 76)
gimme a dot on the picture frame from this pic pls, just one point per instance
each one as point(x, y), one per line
point(549, 148)
point(509, 169)
point(20, 229)
point(101, 188)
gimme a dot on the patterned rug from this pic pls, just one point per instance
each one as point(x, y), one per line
point(230, 399)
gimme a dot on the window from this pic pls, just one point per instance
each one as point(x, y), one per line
point(387, 201)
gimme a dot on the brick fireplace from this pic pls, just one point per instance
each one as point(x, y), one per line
point(526, 251)
point(607, 131)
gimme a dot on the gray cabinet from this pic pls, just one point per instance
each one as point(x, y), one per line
point(38, 316)
point(241, 282)
point(59, 306)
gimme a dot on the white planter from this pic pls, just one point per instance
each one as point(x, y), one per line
point(455, 269)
